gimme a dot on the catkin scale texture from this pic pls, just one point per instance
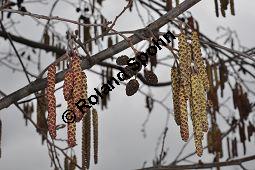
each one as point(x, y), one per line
point(184, 127)
point(80, 85)
point(71, 127)
point(95, 134)
point(175, 90)
point(68, 85)
point(199, 60)
point(185, 63)
point(203, 105)
point(86, 127)
point(51, 119)
point(196, 114)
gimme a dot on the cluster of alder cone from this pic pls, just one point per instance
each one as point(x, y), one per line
point(190, 84)
point(74, 89)
point(132, 70)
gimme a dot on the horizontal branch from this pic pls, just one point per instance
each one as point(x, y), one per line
point(203, 165)
point(48, 18)
point(40, 84)
point(33, 44)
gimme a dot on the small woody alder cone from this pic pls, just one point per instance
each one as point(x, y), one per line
point(51, 120)
point(150, 76)
point(71, 127)
point(175, 90)
point(184, 127)
point(199, 60)
point(122, 60)
point(68, 85)
point(132, 87)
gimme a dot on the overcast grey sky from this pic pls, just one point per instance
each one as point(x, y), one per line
point(121, 143)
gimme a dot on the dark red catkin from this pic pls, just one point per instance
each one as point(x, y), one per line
point(51, 120)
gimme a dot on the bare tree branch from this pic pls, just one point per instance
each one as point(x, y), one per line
point(204, 165)
point(39, 84)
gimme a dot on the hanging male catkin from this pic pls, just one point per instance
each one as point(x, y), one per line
point(80, 85)
point(199, 60)
point(68, 85)
point(175, 78)
point(185, 63)
point(184, 127)
point(203, 105)
point(71, 126)
point(95, 134)
point(86, 126)
point(196, 114)
point(51, 120)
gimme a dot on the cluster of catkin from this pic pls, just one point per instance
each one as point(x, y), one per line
point(190, 84)
point(74, 89)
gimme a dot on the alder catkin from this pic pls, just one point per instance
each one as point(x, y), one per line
point(196, 113)
point(95, 134)
point(185, 63)
point(51, 120)
point(199, 60)
point(51, 76)
point(184, 127)
point(68, 85)
point(71, 126)
point(203, 105)
point(86, 125)
point(175, 90)
point(80, 85)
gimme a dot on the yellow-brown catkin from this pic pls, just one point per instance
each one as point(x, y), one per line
point(80, 85)
point(184, 127)
point(199, 60)
point(86, 125)
point(175, 78)
point(71, 127)
point(51, 120)
point(95, 134)
point(185, 63)
point(196, 114)
point(68, 85)
point(203, 105)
